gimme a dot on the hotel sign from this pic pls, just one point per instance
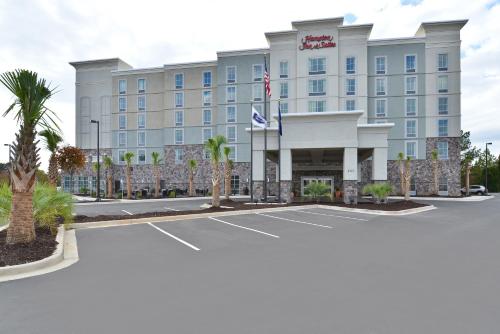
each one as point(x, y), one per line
point(311, 42)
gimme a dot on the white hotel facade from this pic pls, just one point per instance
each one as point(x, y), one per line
point(350, 104)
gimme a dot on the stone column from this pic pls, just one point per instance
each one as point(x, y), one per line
point(350, 183)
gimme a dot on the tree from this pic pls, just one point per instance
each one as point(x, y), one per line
point(128, 160)
point(468, 154)
point(156, 171)
point(52, 140)
point(213, 145)
point(108, 167)
point(435, 171)
point(28, 108)
point(71, 159)
point(192, 164)
point(401, 158)
point(407, 178)
point(228, 171)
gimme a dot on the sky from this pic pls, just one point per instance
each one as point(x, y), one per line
point(44, 35)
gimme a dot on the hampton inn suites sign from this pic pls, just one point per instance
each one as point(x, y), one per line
point(317, 42)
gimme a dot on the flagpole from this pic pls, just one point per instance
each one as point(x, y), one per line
point(251, 153)
point(265, 136)
point(279, 151)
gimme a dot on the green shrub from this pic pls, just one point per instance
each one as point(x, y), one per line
point(5, 203)
point(379, 191)
point(51, 206)
point(316, 190)
point(171, 194)
point(84, 190)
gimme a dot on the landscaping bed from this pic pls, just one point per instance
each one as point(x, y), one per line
point(44, 246)
point(390, 206)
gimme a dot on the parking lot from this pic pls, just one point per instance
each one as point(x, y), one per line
point(305, 271)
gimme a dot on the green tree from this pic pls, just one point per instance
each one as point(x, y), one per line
point(214, 145)
point(128, 160)
point(156, 171)
point(52, 140)
point(316, 190)
point(192, 165)
point(108, 167)
point(228, 171)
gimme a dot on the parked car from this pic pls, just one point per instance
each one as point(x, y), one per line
point(475, 190)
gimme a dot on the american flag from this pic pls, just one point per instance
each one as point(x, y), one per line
point(267, 81)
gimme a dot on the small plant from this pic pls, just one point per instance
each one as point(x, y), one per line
point(84, 190)
point(171, 194)
point(316, 190)
point(5, 203)
point(51, 206)
point(379, 191)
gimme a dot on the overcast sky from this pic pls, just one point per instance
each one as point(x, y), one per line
point(45, 35)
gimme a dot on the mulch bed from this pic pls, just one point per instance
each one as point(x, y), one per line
point(43, 246)
point(391, 206)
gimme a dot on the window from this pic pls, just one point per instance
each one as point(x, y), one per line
point(179, 136)
point(235, 183)
point(179, 100)
point(443, 62)
point(257, 72)
point(179, 155)
point(141, 138)
point(350, 65)
point(232, 153)
point(231, 114)
point(443, 184)
point(443, 84)
point(121, 156)
point(231, 94)
point(411, 149)
point(350, 105)
point(122, 102)
point(411, 85)
point(442, 149)
point(207, 79)
point(207, 117)
point(317, 66)
point(411, 128)
point(141, 103)
point(380, 86)
point(283, 69)
point(122, 87)
point(317, 106)
point(411, 106)
point(283, 90)
point(179, 81)
point(380, 65)
point(206, 134)
point(257, 92)
point(141, 86)
point(179, 118)
point(443, 105)
point(122, 122)
point(442, 127)
point(206, 154)
point(410, 63)
point(67, 183)
point(207, 98)
point(231, 134)
point(231, 74)
point(83, 182)
point(141, 156)
point(350, 86)
point(317, 87)
point(141, 121)
point(380, 108)
point(284, 107)
point(122, 139)
point(380, 121)
point(258, 107)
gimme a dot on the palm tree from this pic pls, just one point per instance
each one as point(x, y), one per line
point(401, 158)
point(128, 160)
point(228, 171)
point(52, 140)
point(156, 170)
point(108, 167)
point(31, 93)
point(407, 178)
point(192, 164)
point(213, 145)
point(435, 170)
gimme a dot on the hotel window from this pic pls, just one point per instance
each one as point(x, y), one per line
point(442, 127)
point(284, 107)
point(122, 139)
point(257, 92)
point(141, 103)
point(350, 65)
point(443, 105)
point(410, 63)
point(206, 154)
point(122, 104)
point(443, 184)
point(179, 118)
point(350, 86)
point(207, 98)
point(231, 94)
point(411, 106)
point(283, 90)
point(380, 108)
point(207, 117)
point(410, 85)
point(411, 128)
point(141, 86)
point(207, 79)
point(231, 114)
point(258, 107)
point(141, 121)
point(232, 153)
point(283, 69)
point(443, 84)
point(317, 87)
point(207, 134)
point(179, 155)
point(317, 106)
point(411, 149)
point(179, 81)
point(350, 105)
point(442, 149)
point(317, 66)
point(121, 156)
point(231, 134)
point(179, 136)
point(380, 85)
point(122, 87)
point(141, 138)
point(257, 72)
point(443, 62)
point(179, 100)
point(122, 122)
point(380, 121)
point(380, 65)
point(141, 156)
point(231, 74)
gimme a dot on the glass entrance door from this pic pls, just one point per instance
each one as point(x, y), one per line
point(305, 180)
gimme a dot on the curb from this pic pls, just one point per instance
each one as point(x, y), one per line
point(381, 212)
point(472, 199)
point(4, 227)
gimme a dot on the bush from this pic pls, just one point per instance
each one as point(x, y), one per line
point(171, 194)
point(379, 191)
point(316, 190)
point(5, 203)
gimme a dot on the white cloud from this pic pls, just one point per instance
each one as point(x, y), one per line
point(45, 35)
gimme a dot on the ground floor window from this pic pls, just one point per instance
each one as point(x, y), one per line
point(413, 187)
point(83, 184)
point(443, 186)
point(67, 183)
point(306, 180)
point(235, 184)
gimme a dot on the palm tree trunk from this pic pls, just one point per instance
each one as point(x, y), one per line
point(21, 228)
point(401, 177)
point(215, 185)
point(129, 186)
point(227, 181)
point(191, 177)
point(53, 172)
point(436, 177)
point(157, 181)
point(110, 185)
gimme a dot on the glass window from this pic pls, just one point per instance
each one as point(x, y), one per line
point(258, 107)
point(411, 128)
point(179, 81)
point(67, 183)
point(443, 62)
point(350, 65)
point(232, 153)
point(380, 65)
point(179, 136)
point(350, 105)
point(231, 74)
point(121, 156)
point(122, 139)
point(350, 86)
point(283, 69)
point(230, 114)
point(207, 97)
point(317, 66)
point(380, 108)
point(284, 107)
point(380, 84)
point(317, 106)
point(442, 127)
point(179, 100)
point(141, 156)
point(207, 134)
point(207, 117)
point(443, 183)
point(122, 86)
point(141, 138)
point(179, 118)
point(179, 155)
point(442, 148)
point(411, 85)
point(283, 89)
point(235, 182)
point(257, 92)
point(317, 87)
point(443, 84)
point(141, 121)
point(231, 134)
point(411, 106)
point(411, 149)
point(122, 102)
point(410, 63)
point(141, 103)
point(122, 122)
point(231, 94)
point(443, 105)
point(207, 79)
point(258, 72)
point(141, 85)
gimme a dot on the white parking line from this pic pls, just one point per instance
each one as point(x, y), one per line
point(292, 220)
point(128, 212)
point(243, 227)
point(170, 209)
point(174, 237)
point(324, 214)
